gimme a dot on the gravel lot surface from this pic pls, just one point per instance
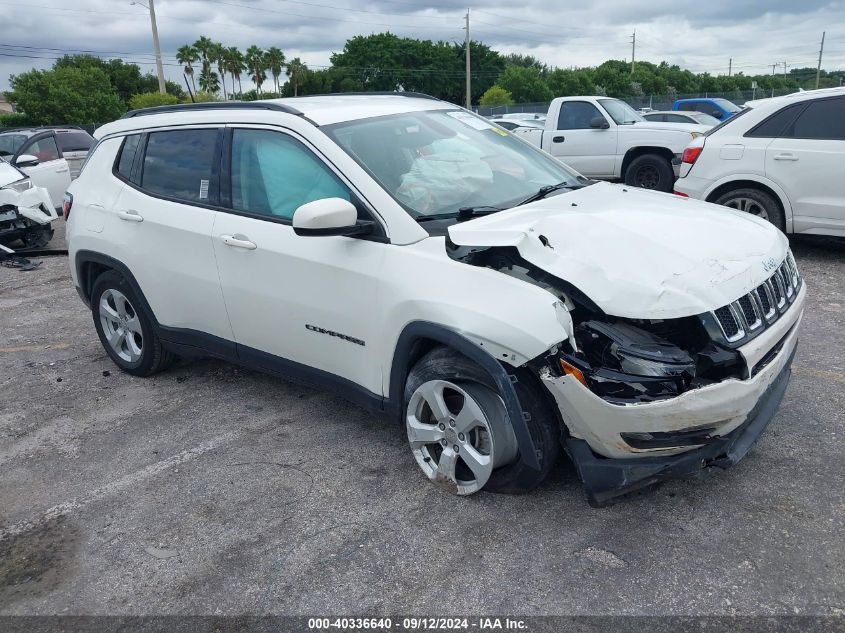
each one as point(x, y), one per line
point(212, 489)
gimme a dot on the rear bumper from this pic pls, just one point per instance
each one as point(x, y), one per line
point(605, 478)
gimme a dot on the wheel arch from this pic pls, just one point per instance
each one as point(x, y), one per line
point(418, 337)
point(90, 265)
point(642, 150)
point(752, 182)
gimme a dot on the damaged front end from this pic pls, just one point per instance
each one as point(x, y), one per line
point(643, 400)
point(26, 214)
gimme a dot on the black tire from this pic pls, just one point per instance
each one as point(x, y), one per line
point(747, 199)
point(443, 363)
point(153, 358)
point(650, 171)
point(38, 236)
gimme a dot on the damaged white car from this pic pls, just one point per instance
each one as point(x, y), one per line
point(412, 257)
point(26, 211)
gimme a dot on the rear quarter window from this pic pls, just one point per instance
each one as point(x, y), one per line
point(775, 124)
point(126, 156)
point(75, 142)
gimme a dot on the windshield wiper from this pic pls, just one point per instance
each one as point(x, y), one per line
point(467, 213)
point(542, 192)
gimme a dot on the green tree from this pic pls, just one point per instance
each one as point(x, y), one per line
point(209, 81)
point(527, 85)
point(66, 96)
point(126, 79)
point(235, 66)
point(296, 71)
point(151, 99)
point(187, 55)
point(218, 56)
point(256, 63)
point(204, 47)
point(496, 96)
point(275, 60)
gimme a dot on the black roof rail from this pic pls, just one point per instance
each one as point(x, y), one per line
point(213, 105)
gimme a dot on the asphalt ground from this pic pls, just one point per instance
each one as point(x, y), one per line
point(210, 489)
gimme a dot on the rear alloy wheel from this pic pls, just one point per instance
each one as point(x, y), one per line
point(755, 202)
point(459, 434)
point(650, 171)
point(125, 330)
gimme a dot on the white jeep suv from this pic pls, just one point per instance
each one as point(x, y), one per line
point(782, 159)
point(421, 261)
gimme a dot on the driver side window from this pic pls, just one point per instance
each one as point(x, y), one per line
point(274, 174)
point(576, 115)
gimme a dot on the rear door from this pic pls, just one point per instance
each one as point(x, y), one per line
point(808, 161)
point(52, 171)
point(590, 151)
point(160, 227)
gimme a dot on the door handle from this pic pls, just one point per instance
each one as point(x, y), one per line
point(238, 241)
point(130, 215)
point(785, 157)
point(558, 139)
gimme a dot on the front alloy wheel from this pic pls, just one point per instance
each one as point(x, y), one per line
point(459, 434)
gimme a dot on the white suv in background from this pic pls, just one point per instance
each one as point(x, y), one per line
point(417, 259)
point(782, 159)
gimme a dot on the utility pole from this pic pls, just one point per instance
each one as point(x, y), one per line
point(730, 65)
point(773, 81)
point(159, 68)
point(819, 67)
point(466, 45)
point(633, 50)
point(784, 68)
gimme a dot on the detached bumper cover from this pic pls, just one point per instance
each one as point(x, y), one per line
point(606, 478)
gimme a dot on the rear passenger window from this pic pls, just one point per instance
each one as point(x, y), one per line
point(273, 174)
point(180, 164)
point(777, 123)
point(823, 119)
point(44, 150)
point(74, 141)
point(127, 155)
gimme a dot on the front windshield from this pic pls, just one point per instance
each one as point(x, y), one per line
point(10, 143)
point(727, 105)
point(621, 112)
point(438, 161)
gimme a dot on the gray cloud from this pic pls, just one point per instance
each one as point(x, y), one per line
point(699, 35)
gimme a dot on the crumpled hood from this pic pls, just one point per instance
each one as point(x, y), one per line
point(635, 253)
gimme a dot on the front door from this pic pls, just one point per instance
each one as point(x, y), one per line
point(590, 151)
point(52, 171)
point(312, 301)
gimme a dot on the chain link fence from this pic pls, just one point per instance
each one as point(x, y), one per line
point(655, 102)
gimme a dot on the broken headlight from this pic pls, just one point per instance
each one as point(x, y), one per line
point(20, 185)
point(622, 362)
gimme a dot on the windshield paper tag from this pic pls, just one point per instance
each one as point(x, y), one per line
point(203, 189)
point(471, 120)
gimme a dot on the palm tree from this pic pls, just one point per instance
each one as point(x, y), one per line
point(235, 66)
point(256, 63)
point(217, 55)
point(204, 46)
point(296, 71)
point(187, 55)
point(276, 63)
point(209, 81)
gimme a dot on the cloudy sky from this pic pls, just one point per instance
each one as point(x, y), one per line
point(699, 35)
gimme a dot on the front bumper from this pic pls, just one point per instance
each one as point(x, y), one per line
point(605, 479)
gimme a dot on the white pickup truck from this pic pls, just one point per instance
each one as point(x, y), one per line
point(605, 138)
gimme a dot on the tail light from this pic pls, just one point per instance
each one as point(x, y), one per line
point(67, 203)
point(691, 154)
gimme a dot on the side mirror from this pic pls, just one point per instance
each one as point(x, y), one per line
point(599, 122)
point(329, 216)
point(26, 160)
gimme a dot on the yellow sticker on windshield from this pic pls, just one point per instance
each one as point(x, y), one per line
point(499, 131)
